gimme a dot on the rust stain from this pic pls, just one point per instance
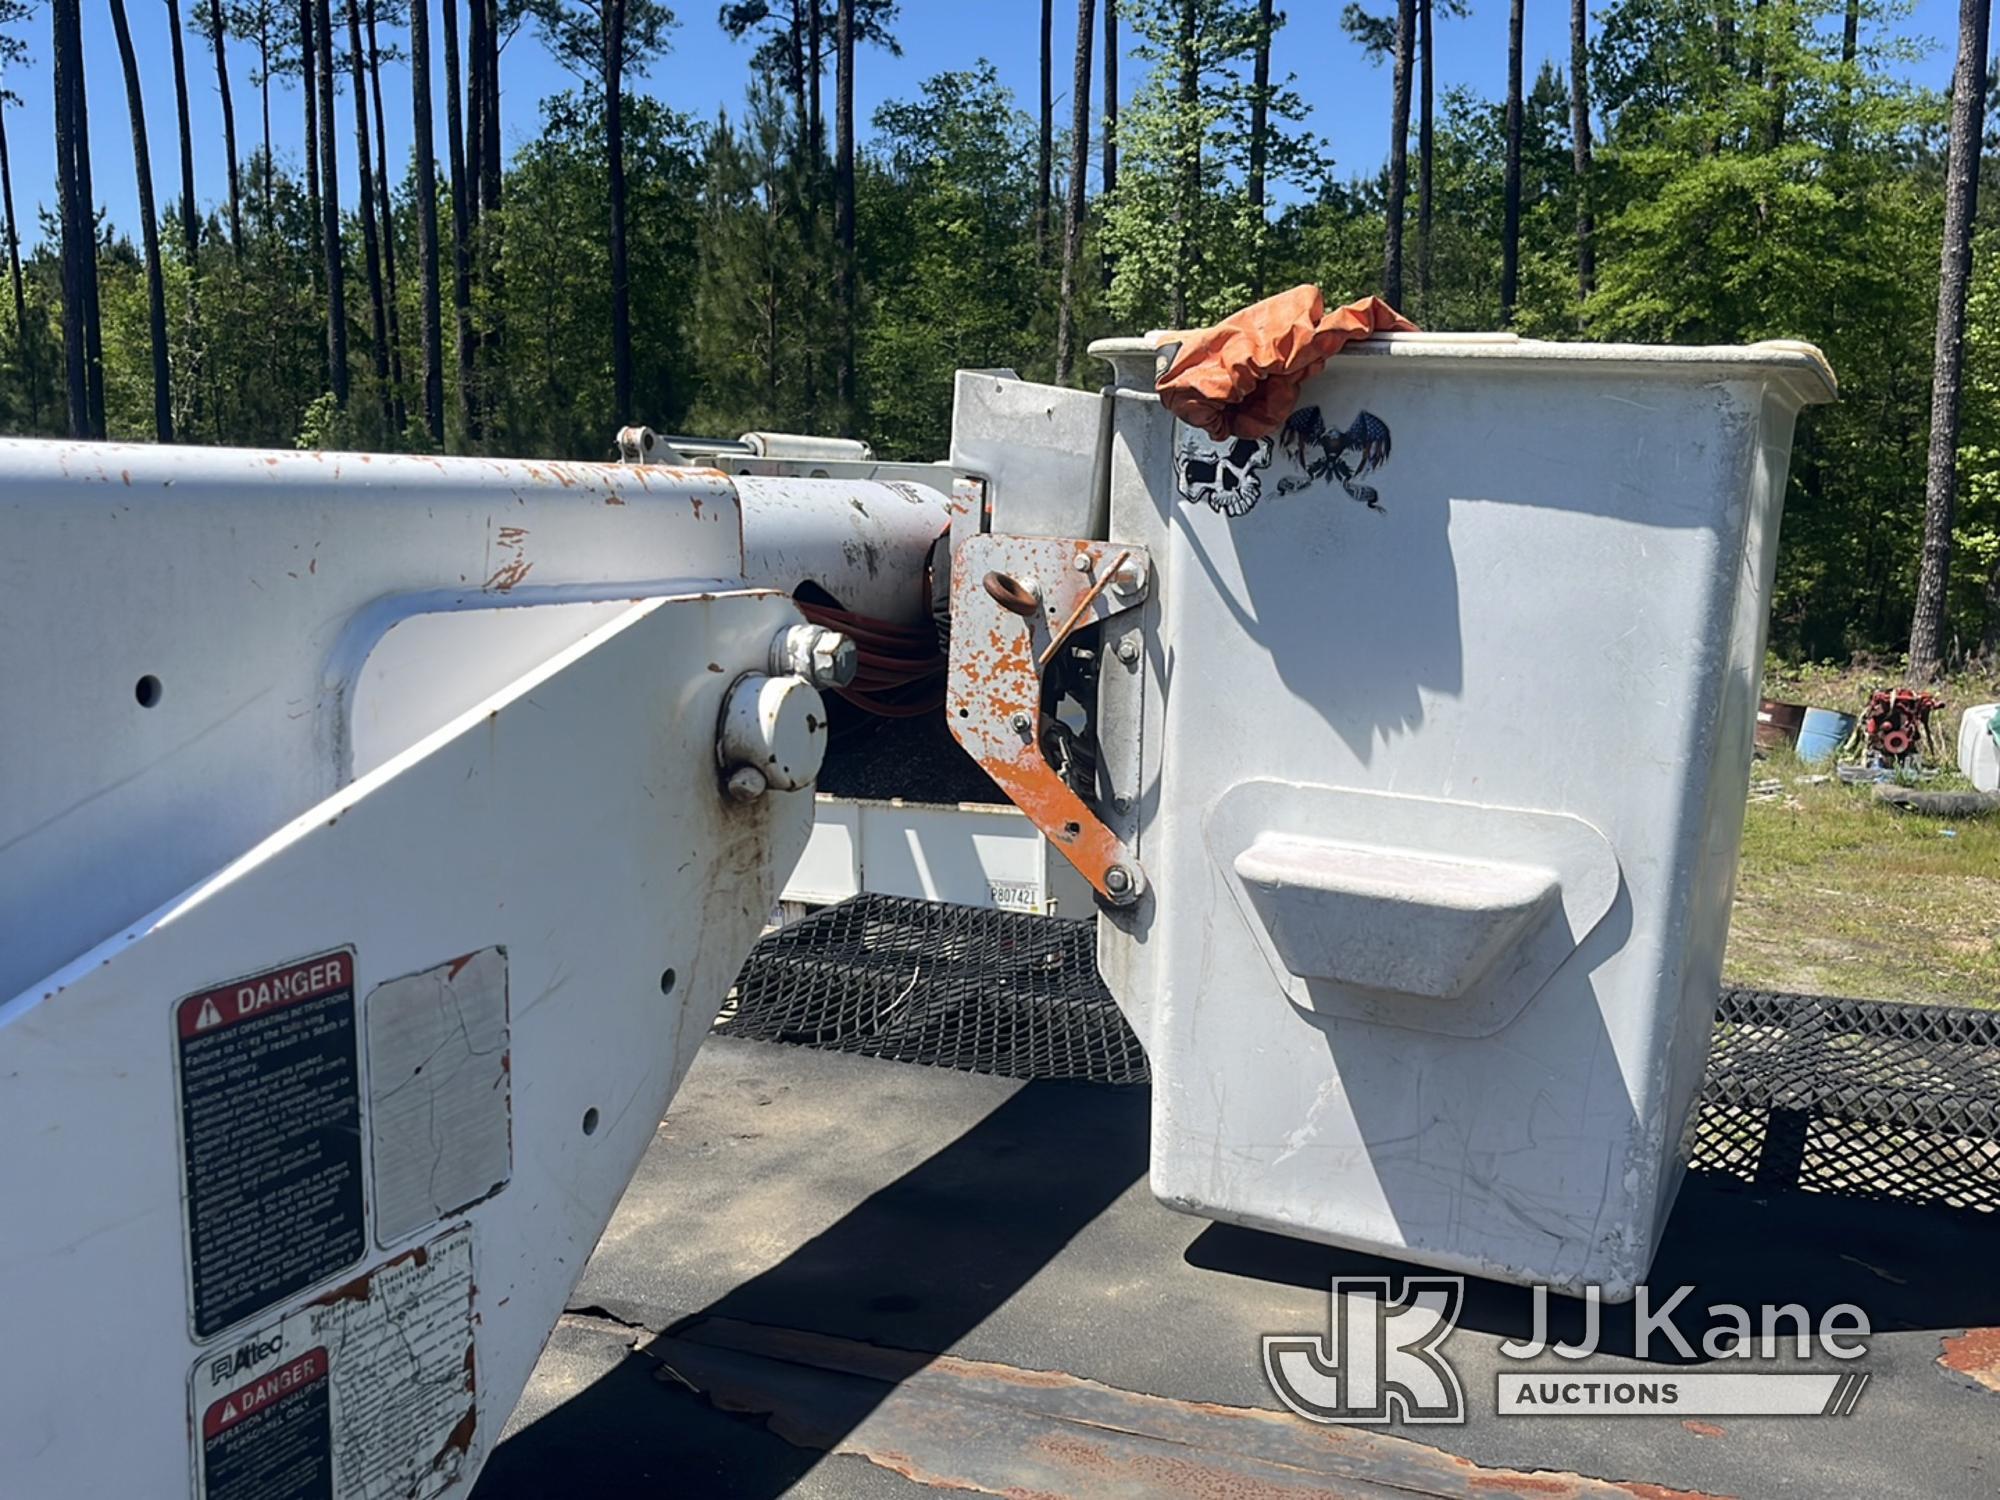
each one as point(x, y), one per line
point(459, 963)
point(513, 536)
point(1975, 1354)
point(611, 498)
point(507, 575)
point(1520, 1484)
point(993, 1429)
point(459, 1440)
point(1703, 1429)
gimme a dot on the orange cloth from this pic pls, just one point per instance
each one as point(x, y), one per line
point(1241, 378)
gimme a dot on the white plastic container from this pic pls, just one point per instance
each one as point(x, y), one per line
point(1978, 754)
point(1438, 800)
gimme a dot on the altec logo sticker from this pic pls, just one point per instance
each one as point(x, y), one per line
point(265, 1391)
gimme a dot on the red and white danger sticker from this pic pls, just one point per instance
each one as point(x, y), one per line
point(269, 1073)
point(259, 994)
point(366, 1393)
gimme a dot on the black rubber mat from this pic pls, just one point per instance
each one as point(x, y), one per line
point(1858, 1097)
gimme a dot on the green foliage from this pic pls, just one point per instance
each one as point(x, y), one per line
point(1749, 183)
point(945, 211)
point(552, 391)
point(1180, 227)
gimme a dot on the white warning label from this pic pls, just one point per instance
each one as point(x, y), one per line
point(366, 1393)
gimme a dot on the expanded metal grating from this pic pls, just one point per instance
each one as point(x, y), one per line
point(952, 986)
point(1863, 1098)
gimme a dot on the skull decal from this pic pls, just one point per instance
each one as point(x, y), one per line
point(1223, 477)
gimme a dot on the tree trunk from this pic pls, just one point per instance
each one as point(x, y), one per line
point(1850, 46)
point(149, 231)
point(91, 324)
point(29, 375)
point(490, 157)
point(614, 150)
point(190, 221)
point(1108, 263)
point(1510, 231)
point(1961, 204)
point(813, 182)
point(385, 214)
point(461, 229)
point(815, 44)
point(264, 91)
point(1188, 143)
point(475, 105)
point(329, 210)
point(1426, 149)
point(371, 244)
point(228, 125)
point(63, 15)
point(1260, 118)
point(795, 68)
point(1045, 153)
point(428, 317)
point(1989, 639)
point(309, 86)
point(1399, 152)
point(1079, 170)
point(843, 210)
point(1579, 127)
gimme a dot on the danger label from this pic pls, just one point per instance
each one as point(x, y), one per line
point(272, 1437)
point(270, 1136)
point(367, 1392)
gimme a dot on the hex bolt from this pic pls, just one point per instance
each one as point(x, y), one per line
point(1123, 804)
point(1081, 562)
point(745, 784)
point(1023, 724)
point(1130, 579)
point(1121, 885)
point(825, 658)
point(1128, 650)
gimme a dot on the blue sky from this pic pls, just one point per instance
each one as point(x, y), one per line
point(706, 70)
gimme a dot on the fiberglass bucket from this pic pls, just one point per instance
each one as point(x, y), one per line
point(1444, 730)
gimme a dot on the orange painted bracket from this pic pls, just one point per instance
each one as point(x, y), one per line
point(1013, 600)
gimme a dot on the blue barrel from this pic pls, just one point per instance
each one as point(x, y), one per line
point(1822, 734)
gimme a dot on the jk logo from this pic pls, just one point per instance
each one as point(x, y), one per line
point(1379, 1361)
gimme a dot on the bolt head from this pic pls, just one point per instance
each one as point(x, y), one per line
point(1128, 650)
point(1081, 562)
point(1118, 880)
point(1022, 724)
point(835, 660)
point(745, 784)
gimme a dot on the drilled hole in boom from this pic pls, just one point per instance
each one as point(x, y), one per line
point(590, 1121)
point(147, 690)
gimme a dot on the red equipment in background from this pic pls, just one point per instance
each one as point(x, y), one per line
point(1898, 721)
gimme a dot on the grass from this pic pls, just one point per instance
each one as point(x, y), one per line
point(1837, 894)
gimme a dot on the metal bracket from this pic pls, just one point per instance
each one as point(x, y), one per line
point(1014, 601)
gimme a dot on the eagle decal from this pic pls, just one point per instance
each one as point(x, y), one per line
point(1340, 456)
